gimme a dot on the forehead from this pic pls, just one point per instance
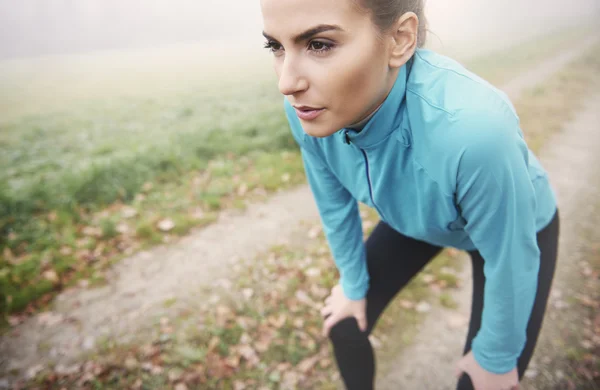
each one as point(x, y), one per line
point(285, 18)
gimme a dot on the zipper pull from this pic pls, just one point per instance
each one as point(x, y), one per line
point(347, 140)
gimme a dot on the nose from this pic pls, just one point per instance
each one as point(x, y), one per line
point(291, 81)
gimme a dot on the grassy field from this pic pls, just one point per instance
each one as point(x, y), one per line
point(87, 179)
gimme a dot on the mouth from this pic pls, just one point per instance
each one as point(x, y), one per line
point(308, 113)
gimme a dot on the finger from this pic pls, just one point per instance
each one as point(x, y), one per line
point(362, 322)
point(329, 323)
point(326, 310)
point(459, 370)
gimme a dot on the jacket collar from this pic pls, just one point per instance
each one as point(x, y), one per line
point(385, 120)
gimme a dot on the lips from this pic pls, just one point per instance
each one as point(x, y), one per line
point(308, 113)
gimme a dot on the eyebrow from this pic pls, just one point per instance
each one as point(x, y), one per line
point(306, 35)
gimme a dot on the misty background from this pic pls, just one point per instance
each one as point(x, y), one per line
point(43, 27)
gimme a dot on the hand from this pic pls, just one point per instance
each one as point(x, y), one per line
point(338, 307)
point(485, 380)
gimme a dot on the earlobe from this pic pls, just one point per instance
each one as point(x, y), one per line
point(404, 39)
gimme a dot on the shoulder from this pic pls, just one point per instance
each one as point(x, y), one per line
point(453, 114)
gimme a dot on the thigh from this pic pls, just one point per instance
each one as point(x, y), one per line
point(393, 259)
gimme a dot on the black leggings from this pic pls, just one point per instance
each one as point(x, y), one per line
point(391, 253)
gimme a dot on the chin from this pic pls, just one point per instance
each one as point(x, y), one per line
point(319, 130)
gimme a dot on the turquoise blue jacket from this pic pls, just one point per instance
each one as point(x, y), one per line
point(443, 161)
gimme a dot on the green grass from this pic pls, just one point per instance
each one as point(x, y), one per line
point(69, 175)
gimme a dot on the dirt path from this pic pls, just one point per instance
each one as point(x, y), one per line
point(573, 163)
point(154, 283)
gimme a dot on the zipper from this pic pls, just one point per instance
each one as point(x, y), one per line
point(348, 141)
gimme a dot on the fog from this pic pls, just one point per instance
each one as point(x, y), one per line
point(42, 27)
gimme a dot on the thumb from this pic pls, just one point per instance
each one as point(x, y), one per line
point(329, 323)
point(460, 368)
point(362, 322)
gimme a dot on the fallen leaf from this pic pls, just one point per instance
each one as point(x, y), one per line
point(286, 177)
point(456, 321)
point(147, 186)
point(166, 225)
point(314, 232)
point(247, 292)
point(375, 342)
point(307, 364)
point(123, 228)
point(423, 307)
point(324, 363)
point(51, 276)
point(239, 385)
point(248, 353)
point(92, 231)
point(88, 343)
point(175, 374)
point(406, 304)
point(131, 363)
point(33, 371)
point(212, 344)
point(137, 385)
point(278, 321)
point(128, 212)
point(242, 189)
point(50, 319)
point(181, 386)
point(428, 278)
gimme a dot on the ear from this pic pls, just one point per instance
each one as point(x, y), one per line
point(404, 39)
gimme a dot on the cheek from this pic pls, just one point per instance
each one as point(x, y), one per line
point(357, 82)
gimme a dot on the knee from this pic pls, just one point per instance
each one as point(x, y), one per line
point(346, 332)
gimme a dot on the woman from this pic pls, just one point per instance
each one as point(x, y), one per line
point(439, 154)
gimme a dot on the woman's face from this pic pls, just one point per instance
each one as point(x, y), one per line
point(331, 64)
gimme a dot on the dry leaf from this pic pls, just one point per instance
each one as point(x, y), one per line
point(50, 319)
point(242, 189)
point(314, 232)
point(147, 186)
point(51, 276)
point(285, 177)
point(128, 212)
point(307, 364)
point(175, 374)
point(375, 342)
point(304, 298)
point(233, 361)
point(406, 304)
point(428, 278)
point(166, 225)
point(92, 231)
point(66, 251)
point(131, 363)
point(123, 228)
point(239, 385)
point(456, 321)
point(213, 343)
point(249, 354)
point(247, 292)
point(278, 321)
point(423, 307)
point(181, 386)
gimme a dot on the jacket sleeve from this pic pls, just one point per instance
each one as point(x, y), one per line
point(496, 197)
point(339, 214)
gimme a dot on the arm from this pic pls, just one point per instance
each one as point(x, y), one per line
point(339, 215)
point(496, 197)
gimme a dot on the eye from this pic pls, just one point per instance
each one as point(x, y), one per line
point(320, 47)
point(273, 46)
